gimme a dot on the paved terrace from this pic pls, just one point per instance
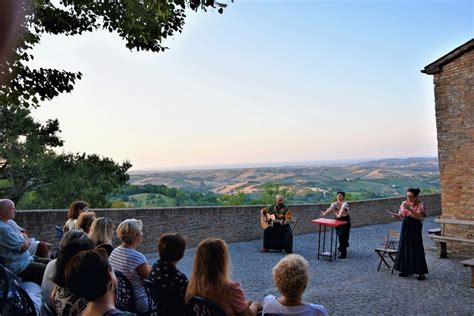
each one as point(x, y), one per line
point(354, 286)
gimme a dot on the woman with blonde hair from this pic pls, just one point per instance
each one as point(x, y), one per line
point(210, 279)
point(102, 233)
point(133, 264)
point(291, 276)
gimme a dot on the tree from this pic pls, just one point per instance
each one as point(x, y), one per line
point(26, 143)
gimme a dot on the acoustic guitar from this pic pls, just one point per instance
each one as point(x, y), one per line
point(269, 219)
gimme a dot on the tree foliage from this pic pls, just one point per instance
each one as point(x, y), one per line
point(27, 156)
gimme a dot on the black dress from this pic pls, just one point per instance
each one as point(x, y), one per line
point(411, 254)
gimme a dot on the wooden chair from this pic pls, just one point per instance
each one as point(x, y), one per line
point(199, 306)
point(293, 224)
point(389, 249)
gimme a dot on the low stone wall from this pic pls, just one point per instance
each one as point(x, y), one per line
point(232, 223)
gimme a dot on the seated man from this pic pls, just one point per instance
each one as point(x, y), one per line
point(37, 248)
point(278, 235)
point(14, 249)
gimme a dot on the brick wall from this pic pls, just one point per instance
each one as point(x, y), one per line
point(454, 101)
point(238, 223)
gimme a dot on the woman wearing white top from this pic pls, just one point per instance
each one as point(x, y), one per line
point(133, 264)
point(341, 213)
point(291, 276)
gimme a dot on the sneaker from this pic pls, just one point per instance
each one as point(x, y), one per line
point(342, 257)
point(263, 250)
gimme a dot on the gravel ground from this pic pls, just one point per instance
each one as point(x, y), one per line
point(354, 286)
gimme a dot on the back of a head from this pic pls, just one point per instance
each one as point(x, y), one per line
point(291, 276)
point(75, 209)
point(66, 253)
point(85, 220)
point(415, 191)
point(88, 274)
point(210, 276)
point(102, 230)
point(71, 235)
point(129, 229)
point(171, 247)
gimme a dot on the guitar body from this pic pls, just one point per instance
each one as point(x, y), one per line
point(266, 220)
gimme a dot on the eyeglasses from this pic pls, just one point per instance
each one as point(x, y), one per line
point(410, 196)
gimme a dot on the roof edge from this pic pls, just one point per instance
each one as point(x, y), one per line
point(436, 66)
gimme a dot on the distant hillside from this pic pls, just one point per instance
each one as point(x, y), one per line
point(387, 177)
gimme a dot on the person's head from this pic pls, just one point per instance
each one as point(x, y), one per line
point(102, 231)
point(279, 199)
point(291, 276)
point(341, 195)
point(76, 208)
point(130, 231)
point(66, 253)
point(71, 235)
point(210, 277)
point(412, 194)
point(171, 247)
point(89, 275)
point(7, 209)
point(85, 220)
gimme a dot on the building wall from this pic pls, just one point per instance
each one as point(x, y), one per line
point(233, 223)
point(454, 100)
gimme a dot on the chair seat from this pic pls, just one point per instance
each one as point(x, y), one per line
point(386, 250)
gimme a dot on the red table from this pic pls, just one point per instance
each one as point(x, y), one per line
point(327, 223)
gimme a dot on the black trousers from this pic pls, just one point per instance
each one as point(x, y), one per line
point(343, 234)
point(278, 237)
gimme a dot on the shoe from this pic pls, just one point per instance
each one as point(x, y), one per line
point(403, 275)
point(342, 257)
point(263, 250)
point(421, 277)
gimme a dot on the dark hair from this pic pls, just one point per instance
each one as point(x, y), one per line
point(85, 220)
point(171, 247)
point(71, 235)
point(75, 209)
point(341, 192)
point(414, 191)
point(66, 253)
point(87, 274)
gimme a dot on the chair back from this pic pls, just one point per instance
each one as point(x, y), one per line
point(124, 295)
point(20, 303)
point(199, 306)
point(391, 241)
point(4, 286)
point(150, 288)
point(293, 224)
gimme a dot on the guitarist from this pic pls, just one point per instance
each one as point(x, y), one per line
point(277, 236)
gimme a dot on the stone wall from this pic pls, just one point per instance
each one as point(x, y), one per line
point(454, 98)
point(233, 223)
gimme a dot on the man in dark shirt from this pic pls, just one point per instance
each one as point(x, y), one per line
point(278, 235)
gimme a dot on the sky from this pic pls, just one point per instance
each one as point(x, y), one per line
point(265, 82)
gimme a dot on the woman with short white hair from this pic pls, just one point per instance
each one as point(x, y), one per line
point(133, 264)
point(291, 276)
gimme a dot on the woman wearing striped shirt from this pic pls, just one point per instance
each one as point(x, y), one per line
point(126, 259)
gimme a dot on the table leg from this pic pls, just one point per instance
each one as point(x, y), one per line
point(319, 240)
point(324, 239)
point(330, 251)
point(335, 248)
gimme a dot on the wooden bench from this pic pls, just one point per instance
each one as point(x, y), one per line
point(443, 253)
point(470, 263)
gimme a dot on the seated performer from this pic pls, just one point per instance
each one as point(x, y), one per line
point(278, 235)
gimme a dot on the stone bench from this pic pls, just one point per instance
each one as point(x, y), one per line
point(470, 263)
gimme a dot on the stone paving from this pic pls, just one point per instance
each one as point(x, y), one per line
point(354, 286)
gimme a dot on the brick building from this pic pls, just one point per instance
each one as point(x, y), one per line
point(453, 76)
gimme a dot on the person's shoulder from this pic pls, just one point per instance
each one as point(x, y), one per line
point(319, 309)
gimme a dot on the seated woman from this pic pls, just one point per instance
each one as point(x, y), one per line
point(63, 301)
point(85, 220)
point(210, 279)
point(14, 249)
point(76, 208)
point(47, 284)
point(291, 276)
point(171, 284)
point(126, 259)
point(279, 235)
point(102, 233)
point(90, 276)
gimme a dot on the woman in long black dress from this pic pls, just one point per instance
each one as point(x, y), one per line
point(411, 254)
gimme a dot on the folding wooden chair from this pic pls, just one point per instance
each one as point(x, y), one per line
point(389, 249)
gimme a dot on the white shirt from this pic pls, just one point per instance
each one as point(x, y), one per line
point(271, 305)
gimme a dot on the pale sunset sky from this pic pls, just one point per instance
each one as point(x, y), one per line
point(267, 81)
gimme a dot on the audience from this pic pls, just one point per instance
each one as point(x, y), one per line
point(73, 212)
point(63, 301)
point(47, 284)
point(211, 279)
point(85, 220)
point(291, 276)
point(133, 264)
point(90, 276)
point(14, 249)
point(170, 283)
point(102, 233)
point(37, 248)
